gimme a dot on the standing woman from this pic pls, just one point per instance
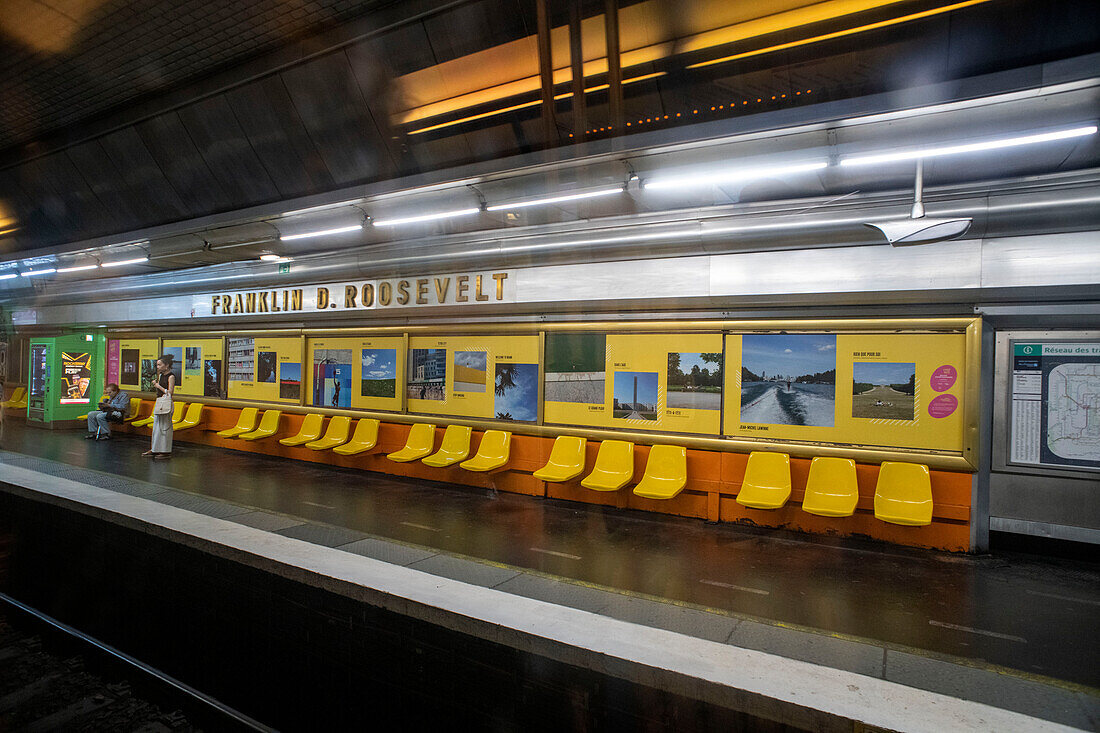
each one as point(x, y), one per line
point(165, 384)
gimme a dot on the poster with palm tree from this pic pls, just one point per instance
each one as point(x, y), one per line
point(516, 392)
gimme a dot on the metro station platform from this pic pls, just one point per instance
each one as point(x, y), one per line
point(803, 633)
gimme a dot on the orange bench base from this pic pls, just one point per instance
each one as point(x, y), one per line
point(714, 478)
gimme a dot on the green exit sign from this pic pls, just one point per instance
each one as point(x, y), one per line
point(284, 268)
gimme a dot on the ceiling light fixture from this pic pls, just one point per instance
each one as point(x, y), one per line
point(321, 207)
point(734, 175)
point(917, 229)
point(270, 258)
point(996, 144)
point(120, 263)
point(557, 199)
point(425, 217)
point(9, 276)
point(35, 273)
point(77, 268)
point(320, 233)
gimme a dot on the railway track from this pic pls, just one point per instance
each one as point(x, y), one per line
point(53, 677)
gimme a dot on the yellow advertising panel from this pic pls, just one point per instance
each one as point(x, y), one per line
point(264, 369)
point(363, 373)
point(137, 363)
point(667, 382)
point(895, 390)
point(198, 365)
point(474, 376)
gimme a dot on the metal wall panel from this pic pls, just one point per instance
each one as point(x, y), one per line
point(146, 185)
point(943, 266)
point(380, 92)
point(182, 164)
point(47, 209)
point(272, 124)
point(1046, 499)
point(1054, 259)
point(331, 106)
point(104, 178)
point(227, 151)
point(947, 272)
point(672, 278)
point(86, 212)
point(403, 49)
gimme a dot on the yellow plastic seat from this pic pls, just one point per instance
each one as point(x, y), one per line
point(903, 494)
point(135, 408)
point(269, 425)
point(420, 443)
point(191, 418)
point(496, 445)
point(364, 439)
point(454, 448)
point(614, 467)
point(767, 482)
point(177, 415)
point(831, 489)
point(566, 460)
point(310, 431)
point(337, 434)
point(17, 396)
point(246, 423)
point(143, 422)
point(665, 472)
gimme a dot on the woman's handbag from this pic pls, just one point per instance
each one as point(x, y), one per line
point(163, 405)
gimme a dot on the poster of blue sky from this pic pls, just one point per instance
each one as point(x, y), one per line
point(883, 372)
point(517, 392)
point(770, 356)
point(379, 373)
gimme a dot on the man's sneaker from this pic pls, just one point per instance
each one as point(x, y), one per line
point(91, 436)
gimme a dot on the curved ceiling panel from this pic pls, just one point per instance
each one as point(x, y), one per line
point(317, 114)
point(327, 97)
point(221, 141)
point(146, 185)
point(105, 180)
point(279, 138)
point(168, 142)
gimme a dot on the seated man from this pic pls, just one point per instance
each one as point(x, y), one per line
point(113, 410)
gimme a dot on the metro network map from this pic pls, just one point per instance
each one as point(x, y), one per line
point(1073, 411)
point(1056, 404)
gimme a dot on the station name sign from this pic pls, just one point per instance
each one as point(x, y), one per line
point(435, 290)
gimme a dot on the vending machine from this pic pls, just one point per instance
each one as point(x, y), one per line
point(64, 379)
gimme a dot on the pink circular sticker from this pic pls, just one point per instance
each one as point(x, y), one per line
point(943, 378)
point(943, 405)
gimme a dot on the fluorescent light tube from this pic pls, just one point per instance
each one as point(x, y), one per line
point(1004, 142)
point(732, 175)
point(9, 276)
point(33, 273)
point(78, 268)
point(320, 233)
point(425, 217)
point(556, 199)
point(120, 263)
point(270, 258)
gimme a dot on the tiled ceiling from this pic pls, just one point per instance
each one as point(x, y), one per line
point(62, 61)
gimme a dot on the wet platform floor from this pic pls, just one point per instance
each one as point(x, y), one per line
point(1031, 615)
